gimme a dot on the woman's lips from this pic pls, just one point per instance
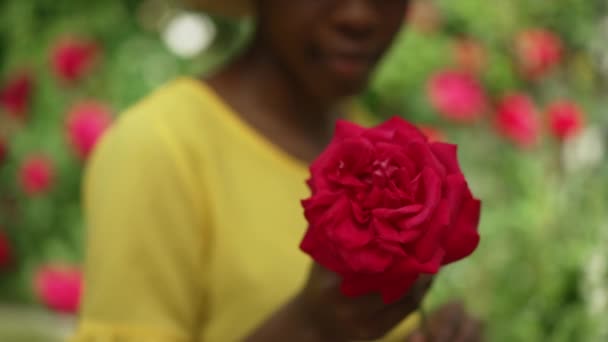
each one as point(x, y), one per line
point(349, 66)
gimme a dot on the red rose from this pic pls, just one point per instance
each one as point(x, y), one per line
point(538, 52)
point(59, 288)
point(86, 123)
point(469, 55)
point(566, 119)
point(15, 94)
point(73, 58)
point(5, 251)
point(457, 95)
point(37, 173)
point(388, 205)
point(517, 120)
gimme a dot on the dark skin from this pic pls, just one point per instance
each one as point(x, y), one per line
point(307, 59)
point(311, 56)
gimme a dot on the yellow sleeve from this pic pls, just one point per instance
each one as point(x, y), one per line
point(145, 243)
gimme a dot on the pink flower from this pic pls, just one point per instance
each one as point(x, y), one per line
point(37, 175)
point(6, 255)
point(517, 120)
point(469, 55)
point(15, 95)
point(457, 95)
point(538, 52)
point(566, 119)
point(73, 58)
point(59, 288)
point(433, 134)
point(86, 123)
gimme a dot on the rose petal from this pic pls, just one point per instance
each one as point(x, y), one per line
point(346, 181)
point(318, 181)
point(432, 195)
point(422, 154)
point(390, 287)
point(345, 129)
point(316, 207)
point(455, 190)
point(391, 233)
point(410, 235)
point(390, 214)
point(405, 163)
point(431, 240)
point(374, 198)
point(379, 135)
point(447, 155)
point(347, 234)
point(411, 265)
point(405, 132)
point(313, 244)
point(349, 158)
point(397, 288)
point(361, 215)
point(392, 199)
point(391, 247)
point(369, 259)
point(463, 238)
point(385, 231)
point(400, 184)
point(355, 153)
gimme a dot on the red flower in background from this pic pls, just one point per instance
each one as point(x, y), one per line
point(538, 52)
point(86, 123)
point(432, 133)
point(517, 119)
point(566, 119)
point(15, 95)
point(457, 95)
point(59, 288)
point(469, 55)
point(387, 205)
point(6, 255)
point(73, 58)
point(37, 175)
point(3, 150)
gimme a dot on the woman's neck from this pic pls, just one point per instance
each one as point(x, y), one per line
point(264, 94)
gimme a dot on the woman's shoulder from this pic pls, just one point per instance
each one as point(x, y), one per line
point(177, 115)
point(180, 106)
point(158, 129)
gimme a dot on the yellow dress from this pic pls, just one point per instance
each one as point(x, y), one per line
point(193, 221)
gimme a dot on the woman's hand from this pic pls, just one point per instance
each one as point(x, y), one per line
point(321, 313)
point(339, 318)
point(450, 323)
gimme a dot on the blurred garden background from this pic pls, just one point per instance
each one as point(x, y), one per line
point(520, 85)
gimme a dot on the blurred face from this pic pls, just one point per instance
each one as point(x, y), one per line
point(329, 47)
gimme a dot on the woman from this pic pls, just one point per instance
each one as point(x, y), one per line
point(192, 199)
